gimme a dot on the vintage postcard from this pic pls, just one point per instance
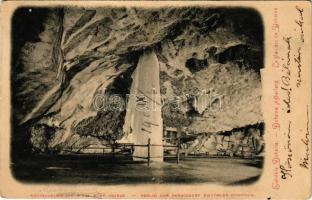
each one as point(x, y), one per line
point(155, 100)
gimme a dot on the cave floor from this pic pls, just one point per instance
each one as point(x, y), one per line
point(99, 169)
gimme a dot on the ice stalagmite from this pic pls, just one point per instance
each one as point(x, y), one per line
point(143, 119)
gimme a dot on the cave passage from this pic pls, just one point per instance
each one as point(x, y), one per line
point(195, 65)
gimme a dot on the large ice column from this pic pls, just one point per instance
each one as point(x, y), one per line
point(143, 118)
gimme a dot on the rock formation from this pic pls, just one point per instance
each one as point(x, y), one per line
point(72, 54)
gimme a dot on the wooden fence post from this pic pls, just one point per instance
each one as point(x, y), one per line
point(178, 151)
point(148, 151)
point(113, 149)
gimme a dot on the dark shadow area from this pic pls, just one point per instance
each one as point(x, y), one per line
point(195, 65)
point(27, 23)
point(247, 181)
point(118, 169)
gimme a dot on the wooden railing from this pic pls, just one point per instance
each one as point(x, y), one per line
point(121, 146)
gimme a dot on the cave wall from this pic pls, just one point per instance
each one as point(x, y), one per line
point(73, 53)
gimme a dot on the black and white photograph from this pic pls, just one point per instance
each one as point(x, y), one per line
point(114, 95)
